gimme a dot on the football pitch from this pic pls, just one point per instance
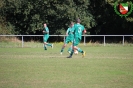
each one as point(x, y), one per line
point(102, 67)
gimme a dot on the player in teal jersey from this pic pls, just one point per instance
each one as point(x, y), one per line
point(46, 36)
point(78, 30)
point(69, 38)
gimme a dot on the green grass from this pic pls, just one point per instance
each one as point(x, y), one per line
point(103, 67)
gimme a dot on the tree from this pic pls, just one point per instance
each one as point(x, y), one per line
point(28, 16)
point(108, 21)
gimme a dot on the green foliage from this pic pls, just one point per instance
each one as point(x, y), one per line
point(108, 22)
point(28, 16)
point(5, 27)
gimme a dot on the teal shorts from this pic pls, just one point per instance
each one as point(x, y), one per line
point(68, 39)
point(76, 41)
point(45, 38)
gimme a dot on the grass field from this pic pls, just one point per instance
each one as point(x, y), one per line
point(102, 67)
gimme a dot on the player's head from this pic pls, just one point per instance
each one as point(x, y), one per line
point(78, 20)
point(44, 24)
point(71, 24)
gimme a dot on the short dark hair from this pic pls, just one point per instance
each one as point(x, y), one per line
point(78, 20)
point(71, 22)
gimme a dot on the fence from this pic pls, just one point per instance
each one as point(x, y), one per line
point(84, 39)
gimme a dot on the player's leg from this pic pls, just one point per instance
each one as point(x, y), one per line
point(45, 46)
point(48, 44)
point(69, 49)
point(65, 43)
point(74, 44)
point(62, 49)
point(44, 42)
point(79, 49)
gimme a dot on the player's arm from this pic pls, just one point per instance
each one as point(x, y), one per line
point(45, 31)
point(84, 31)
point(67, 31)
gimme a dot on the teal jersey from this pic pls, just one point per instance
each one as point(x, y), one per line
point(70, 32)
point(78, 30)
point(47, 31)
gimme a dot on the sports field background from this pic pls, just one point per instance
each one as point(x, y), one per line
point(108, 66)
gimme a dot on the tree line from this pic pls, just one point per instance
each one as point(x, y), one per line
point(23, 17)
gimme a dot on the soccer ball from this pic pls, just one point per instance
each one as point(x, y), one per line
point(76, 52)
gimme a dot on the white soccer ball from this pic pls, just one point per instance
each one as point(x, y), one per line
point(76, 52)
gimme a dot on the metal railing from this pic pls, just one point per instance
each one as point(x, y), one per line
point(84, 40)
